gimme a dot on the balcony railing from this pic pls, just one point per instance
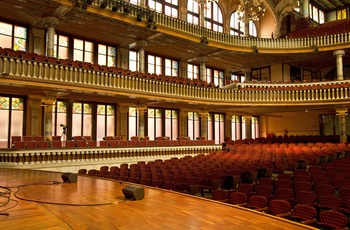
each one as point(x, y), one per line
point(21, 71)
point(57, 159)
point(230, 41)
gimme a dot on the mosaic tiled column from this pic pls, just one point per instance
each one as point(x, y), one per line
point(50, 24)
point(339, 63)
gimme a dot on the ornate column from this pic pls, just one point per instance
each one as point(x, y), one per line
point(123, 58)
point(228, 125)
point(141, 112)
point(183, 69)
point(342, 112)
point(202, 68)
point(183, 124)
point(50, 24)
point(48, 104)
point(204, 123)
point(34, 107)
point(142, 45)
point(202, 9)
point(122, 126)
point(245, 20)
point(248, 125)
point(339, 62)
point(39, 38)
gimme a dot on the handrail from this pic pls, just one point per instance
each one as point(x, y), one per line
point(248, 44)
point(96, 81)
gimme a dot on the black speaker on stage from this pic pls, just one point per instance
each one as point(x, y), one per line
point(133, 192)
point(69, 177)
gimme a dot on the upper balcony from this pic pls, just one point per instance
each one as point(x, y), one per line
point(62, 77)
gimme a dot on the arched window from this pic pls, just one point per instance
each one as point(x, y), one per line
point(167, 7)
point(213, 17)
point(192, 12)
point(237, 26)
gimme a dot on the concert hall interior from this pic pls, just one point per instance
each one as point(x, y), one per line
point(182, 114)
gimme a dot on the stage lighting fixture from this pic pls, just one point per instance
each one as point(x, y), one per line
point(116, 7)
point(89, 2)
point(139, 16)
point(103, 4)
point(150, 17)
point(126, 9)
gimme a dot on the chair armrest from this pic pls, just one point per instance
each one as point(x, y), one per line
point(284, 214)
point(309, 222)
point(262, 209)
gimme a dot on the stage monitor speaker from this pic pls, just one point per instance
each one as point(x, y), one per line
point(133, 192)
point(69, 177)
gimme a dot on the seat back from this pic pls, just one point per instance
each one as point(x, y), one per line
point(332, 219)
point(303, 212)
point(279, 207)
point(257, 202)
point(238, 198)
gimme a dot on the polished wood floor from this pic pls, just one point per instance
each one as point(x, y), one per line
point(38, 202)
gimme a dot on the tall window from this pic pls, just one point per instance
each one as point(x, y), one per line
point(133, 60)
point(213, 17)
point(171, 124)
point(255, 127)
point(160, 65)
point(59, 119)
point(61, 49)
point(193, 71)
point(193, 12)
point(154, 64)
point(154, 123)
point(13, 36)
point(167, 7)
point(261, 74)
point(106, 55)
point(133, 125)
point(105, 121)
point(81, 119)
point(236, 127)
point(215, 76)
point(83, 51)
point(171, 68)
point(193, 125)
point(12, 119)
point(316, 14)
point(216, 128)
point(341, 14)
point(237, 27)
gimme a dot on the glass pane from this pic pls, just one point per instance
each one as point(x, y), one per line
point(5, 28)
point(5, 41)
point(20, 44)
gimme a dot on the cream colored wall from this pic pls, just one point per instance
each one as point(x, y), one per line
point(280, 72)
point(296, 123)
point(266, 26)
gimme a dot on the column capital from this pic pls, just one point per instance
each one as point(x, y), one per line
point(138, 45)
point(341, 111)
point(51, 21)
point(141, 108)
point(202, 2)
point(339, 53)
point(203, 59)
point(48, 101)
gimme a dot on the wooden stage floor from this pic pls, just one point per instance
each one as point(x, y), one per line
point(38, 202)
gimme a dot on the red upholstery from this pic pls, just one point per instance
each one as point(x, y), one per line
point(303, 212)
point(332, 219)
point(257, 202)
point(330, 202)
point(238, 198)
point(220, 195)
point(306, 197)
point(277, 207)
